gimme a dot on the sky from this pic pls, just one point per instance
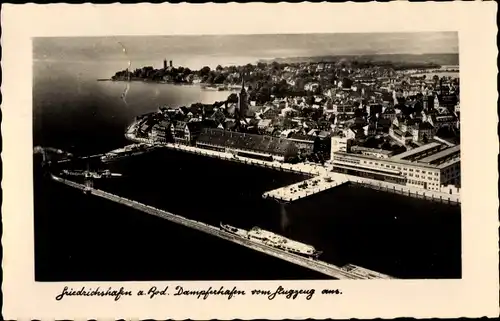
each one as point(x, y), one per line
point(194, 51)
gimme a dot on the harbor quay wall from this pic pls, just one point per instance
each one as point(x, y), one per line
point(452, 199)
point(287, 197)
point(309, 171)
point(312, 171)
point(248, 161)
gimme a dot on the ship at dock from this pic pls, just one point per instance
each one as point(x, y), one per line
point(129, 150)
point(260, 236)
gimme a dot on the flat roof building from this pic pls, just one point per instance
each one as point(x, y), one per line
point(442, 156)
point(431, 172)
point(419, 152)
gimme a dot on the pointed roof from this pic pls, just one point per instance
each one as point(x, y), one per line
point(243, 90)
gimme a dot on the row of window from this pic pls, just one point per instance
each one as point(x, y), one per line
point(346, 160)
point(399, 168)
point(423, 177)
point(416, 182)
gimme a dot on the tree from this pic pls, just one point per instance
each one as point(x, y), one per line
point(219, 68)
point(249, 68)
point(219, 78)
point(346, 82)
point(233, 98)
point(204, 71)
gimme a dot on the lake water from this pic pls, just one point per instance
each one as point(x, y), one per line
point(79, 237)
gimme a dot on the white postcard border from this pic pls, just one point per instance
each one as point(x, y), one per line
point(475, 295)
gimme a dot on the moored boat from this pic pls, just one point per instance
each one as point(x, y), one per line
point(271, 239)
point(129, 150)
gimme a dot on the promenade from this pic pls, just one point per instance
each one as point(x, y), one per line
point(435, 196)
point(301, 168)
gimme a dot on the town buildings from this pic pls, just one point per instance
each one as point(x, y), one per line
point(370, 121)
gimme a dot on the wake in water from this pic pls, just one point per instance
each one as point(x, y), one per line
point(124, 94)
point(127, 87)
point(285, 222)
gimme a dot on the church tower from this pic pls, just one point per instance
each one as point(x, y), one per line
point(242, 101)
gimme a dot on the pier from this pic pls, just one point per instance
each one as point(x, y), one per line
point(306, 188)
point(320, 183)
point(350, 272)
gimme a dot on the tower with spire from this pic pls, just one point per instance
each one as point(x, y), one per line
point(242, 101)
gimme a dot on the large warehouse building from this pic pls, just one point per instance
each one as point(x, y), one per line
point(247, 145)
point(430, 166)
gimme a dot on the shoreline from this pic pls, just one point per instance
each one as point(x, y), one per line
point(230, 87)
point(203, 86)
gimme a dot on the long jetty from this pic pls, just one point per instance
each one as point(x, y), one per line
point(350, 272)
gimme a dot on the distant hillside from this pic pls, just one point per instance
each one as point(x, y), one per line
point(435, 59)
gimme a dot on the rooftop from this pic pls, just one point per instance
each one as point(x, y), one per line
point(442, 154)
point(417, 150)
point(389, 160)
point(373, 150)
point(449, 162)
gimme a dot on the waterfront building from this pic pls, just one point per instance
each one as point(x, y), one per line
point(305, 143)
point(247, 145)
point(144, 129)
point(185, 132)
point(340, 143)
point(161, 132)
point(422, 167)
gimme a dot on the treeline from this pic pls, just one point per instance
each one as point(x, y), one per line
point(377, 59)
point(177, 75)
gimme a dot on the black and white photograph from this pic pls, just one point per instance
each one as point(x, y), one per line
point(278, 156)
point(249, 161)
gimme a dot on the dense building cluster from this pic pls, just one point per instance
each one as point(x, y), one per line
point(323, 110)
